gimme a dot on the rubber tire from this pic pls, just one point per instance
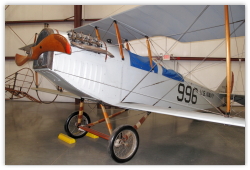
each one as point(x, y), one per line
point(66, 125)
point(112, 140)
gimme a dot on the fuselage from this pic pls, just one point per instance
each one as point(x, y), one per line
point(99, 77)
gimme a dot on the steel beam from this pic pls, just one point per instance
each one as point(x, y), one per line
point(77, 16)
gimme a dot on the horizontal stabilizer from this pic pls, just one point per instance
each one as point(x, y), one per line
point(66, 94)
point(235, 97)
point(235, 121)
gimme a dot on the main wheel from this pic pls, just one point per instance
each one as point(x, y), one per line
point(123, 143)
point(71, 125)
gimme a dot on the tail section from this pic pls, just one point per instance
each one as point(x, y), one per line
point(222, 90)
point(223, 86)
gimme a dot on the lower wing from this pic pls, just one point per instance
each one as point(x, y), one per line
point(235, 121)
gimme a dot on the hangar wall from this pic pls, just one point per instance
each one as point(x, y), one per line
point(209, 74)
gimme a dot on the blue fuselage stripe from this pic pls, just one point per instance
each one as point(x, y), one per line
point(144, 64)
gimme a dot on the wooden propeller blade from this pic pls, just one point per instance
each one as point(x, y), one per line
point(20, 59)
point(53, 42)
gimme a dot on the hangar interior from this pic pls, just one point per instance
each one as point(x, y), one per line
point(32, 129)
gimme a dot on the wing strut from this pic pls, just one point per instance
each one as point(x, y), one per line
point(119, 39)
point(127, 45)
point(36, 73)
point(97, 34)
point(228, 60)
point(149, 52)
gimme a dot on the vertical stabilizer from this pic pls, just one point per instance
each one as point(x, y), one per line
point(222, 88)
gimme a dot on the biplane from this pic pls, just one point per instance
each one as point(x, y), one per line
point(103, 69)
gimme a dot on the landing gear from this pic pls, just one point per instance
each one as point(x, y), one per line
point(123, 143)
point(71, 125)
point(77, 120)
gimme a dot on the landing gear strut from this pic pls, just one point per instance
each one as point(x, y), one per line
point(123, 142)
point(75, 120)
point(71, 125)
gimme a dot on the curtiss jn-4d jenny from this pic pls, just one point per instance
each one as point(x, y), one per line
point(108, 72)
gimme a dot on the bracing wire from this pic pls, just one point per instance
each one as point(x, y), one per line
point(240, 72)
point(107, 31)
point(131, 28)
point(114, 11)
point(124, 26)
point(202, 29)
point(188, 28)
point(132, 47)
point(7, 6)
point(92, 32)
point(234, 31)
point(17, 35)
point(212, 51)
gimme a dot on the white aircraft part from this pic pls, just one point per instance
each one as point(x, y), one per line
point(114, 80)
point(235, 121)
point(129, 83)
point(84, 74)
point(148, 20)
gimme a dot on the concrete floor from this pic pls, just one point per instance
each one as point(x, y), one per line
point(31, 132)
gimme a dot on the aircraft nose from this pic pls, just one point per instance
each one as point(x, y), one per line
point(53, 42)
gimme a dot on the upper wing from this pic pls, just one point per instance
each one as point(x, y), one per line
point(197, 22)
point(186, 114)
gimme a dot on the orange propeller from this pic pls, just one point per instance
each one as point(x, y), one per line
point(53, 42)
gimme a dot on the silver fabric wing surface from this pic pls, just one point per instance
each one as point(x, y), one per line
point(185, 23)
